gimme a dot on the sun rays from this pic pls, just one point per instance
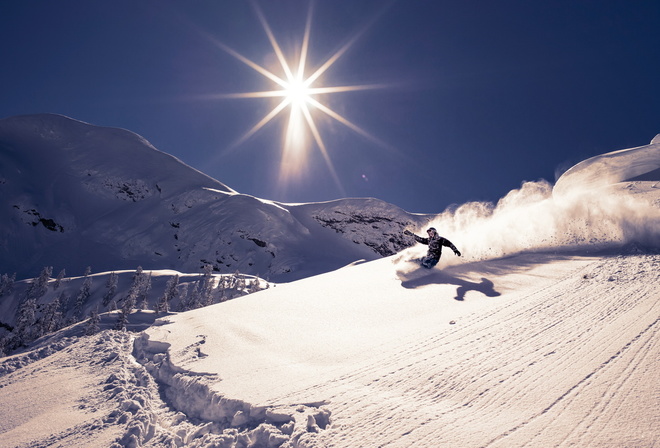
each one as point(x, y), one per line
point(299, 92)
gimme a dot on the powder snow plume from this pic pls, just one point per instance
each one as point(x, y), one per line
point(608, 200)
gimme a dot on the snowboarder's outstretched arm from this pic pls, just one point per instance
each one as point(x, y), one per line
point(450, 245)
point(419, 239)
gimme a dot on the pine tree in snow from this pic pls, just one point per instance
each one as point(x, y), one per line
point(25, 320)
point(122, 319)
point(239, 282)
point(52, 317)
point(58, 280)
point(136, 287)
point(206, 286)
point(63, 305)
point(39, 285)
point(92, 326)
point(220, 289)
point(131, 299)
point(145, 289)
point(194, 297)
point(183, 295)
point(255, 285)
point(169, 294)
point(125, 311)
point(83, 295)
point(111, 284)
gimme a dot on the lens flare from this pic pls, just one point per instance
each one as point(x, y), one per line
point(300, 94)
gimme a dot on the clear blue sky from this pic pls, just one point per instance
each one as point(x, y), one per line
point(480, 96)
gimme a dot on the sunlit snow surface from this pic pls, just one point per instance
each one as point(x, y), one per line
point(544, 334)
point(642, 163)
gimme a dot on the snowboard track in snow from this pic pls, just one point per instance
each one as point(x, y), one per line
point(227, 422)
point(150, 405)
point(572, 363)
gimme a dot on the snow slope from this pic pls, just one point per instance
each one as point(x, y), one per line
point(543, 349)
point(555, 345)
point(74, 195)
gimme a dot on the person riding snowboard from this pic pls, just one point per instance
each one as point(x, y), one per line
point(435, 243)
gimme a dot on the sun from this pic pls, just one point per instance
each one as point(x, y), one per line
point(298, 94)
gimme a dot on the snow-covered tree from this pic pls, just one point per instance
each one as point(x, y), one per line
point(206, 286)
point(125, 311)
point(122, 319)
point(39, 285)
point(220, 289)
point(169, 294)
point(145, 289)
point(51, 320)
point(63, 300)
point(193, 301)
point(111, 284)
point(131, 298)
point(58, 280)
point(25, 320)
point(92, 326)
point(183, 296)
point(83, 295)
point(254, 286)
point(239, 281)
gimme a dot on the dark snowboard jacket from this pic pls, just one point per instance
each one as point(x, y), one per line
point(435, 245)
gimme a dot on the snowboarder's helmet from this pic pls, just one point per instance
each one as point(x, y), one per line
point(431, 229)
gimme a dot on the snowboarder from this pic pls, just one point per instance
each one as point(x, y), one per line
point(435, 243)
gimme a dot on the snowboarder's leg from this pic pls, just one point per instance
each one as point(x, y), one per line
point(429, 262)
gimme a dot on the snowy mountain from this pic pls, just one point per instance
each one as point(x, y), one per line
point(74, 195)
point(545, 333)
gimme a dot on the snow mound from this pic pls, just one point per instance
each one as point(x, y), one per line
point(642, 163)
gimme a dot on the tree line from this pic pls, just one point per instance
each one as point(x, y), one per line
point(35, 317)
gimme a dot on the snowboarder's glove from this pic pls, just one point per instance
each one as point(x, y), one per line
point(457, 253)
point(407, 232)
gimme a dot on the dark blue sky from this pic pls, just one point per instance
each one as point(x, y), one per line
point(481, 95)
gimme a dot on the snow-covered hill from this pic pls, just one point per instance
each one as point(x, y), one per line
point(543, 349)
point(74, 195)
point(544, 334)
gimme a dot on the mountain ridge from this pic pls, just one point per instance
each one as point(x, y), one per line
point(78, 195)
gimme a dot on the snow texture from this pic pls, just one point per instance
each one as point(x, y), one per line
point(544, 334)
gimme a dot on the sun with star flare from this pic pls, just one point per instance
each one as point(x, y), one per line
point(298, 91)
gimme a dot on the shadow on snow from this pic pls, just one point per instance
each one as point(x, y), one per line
point(485, 286)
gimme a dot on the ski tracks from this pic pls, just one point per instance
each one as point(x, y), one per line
point(570, 364)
